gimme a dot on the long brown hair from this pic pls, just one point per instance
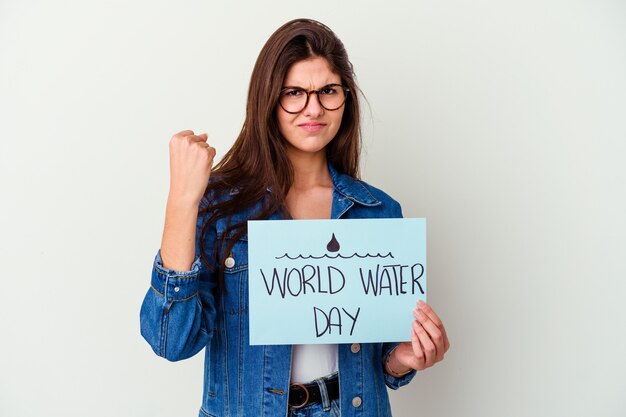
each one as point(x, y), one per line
point(258, 159)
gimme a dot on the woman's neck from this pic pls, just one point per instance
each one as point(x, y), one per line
point(310, 170)
point(311, 193)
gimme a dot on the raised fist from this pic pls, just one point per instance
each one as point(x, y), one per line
point(191, 159)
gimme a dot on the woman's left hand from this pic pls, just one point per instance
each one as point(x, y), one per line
point(428, 345)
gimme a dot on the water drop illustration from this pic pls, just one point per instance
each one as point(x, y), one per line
point(333, 245)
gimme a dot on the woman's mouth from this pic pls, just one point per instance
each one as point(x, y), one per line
point(312, 126)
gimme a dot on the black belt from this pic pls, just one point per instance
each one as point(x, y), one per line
point(303, 394)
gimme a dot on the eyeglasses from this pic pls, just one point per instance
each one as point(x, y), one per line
point(295, 99)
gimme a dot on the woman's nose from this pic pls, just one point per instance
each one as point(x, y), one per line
point(313, 107)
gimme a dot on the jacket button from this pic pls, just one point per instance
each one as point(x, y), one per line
point(355, 348)
point(356, 402)
point(176, 289)
point(229, 262)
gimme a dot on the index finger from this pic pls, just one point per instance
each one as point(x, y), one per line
point(184, 133)
point(429, 312)
point(435, 319)
point(203, 137)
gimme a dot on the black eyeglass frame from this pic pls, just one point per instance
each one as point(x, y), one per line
point(346, 91)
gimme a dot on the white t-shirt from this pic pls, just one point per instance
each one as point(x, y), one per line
point(309, 362)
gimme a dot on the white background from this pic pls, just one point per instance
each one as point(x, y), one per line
point(502, 122)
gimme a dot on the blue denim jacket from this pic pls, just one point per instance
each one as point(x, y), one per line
point(182, 314)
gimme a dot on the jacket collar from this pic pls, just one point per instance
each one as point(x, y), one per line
point(345, 185)
point(351, 188)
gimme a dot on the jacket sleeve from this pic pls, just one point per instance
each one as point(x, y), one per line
point(391, 381)
point(178, 313)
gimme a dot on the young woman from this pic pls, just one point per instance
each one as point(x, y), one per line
point(297, 157)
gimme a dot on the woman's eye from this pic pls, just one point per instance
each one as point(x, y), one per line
point(293, 93)
point(328, 90)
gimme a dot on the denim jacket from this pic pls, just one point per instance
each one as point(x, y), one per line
point(182, 314)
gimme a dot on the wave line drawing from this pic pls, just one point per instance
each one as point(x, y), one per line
point(367, 255)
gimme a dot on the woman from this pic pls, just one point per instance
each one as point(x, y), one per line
point(297, 157)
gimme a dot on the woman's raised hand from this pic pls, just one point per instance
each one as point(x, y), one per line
point(428, 345)
point(191, 159)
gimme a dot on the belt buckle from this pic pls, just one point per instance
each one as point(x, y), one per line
point(306, 400)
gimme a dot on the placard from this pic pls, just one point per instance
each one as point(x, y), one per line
point(335, 281)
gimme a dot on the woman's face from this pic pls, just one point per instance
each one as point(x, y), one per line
point(311, 129)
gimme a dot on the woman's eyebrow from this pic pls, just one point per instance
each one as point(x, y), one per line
point(304, 88)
